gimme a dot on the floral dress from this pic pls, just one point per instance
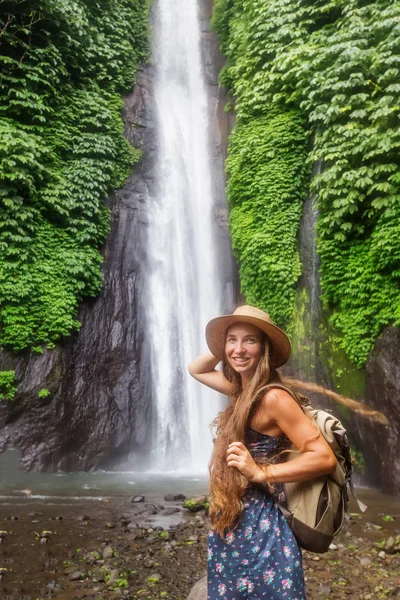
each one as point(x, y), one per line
point(259, 558)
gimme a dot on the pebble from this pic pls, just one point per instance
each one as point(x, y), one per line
point(110, 525)
point(114, 575)
point(77, 575)
point(138, 499)
point(316, 558)
point(333, 547)
point(107, 552)
point(156, 576)
point(325, 591)
point(365, 562)
point(382, 554)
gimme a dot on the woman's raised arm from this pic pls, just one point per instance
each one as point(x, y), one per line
point(203, 369)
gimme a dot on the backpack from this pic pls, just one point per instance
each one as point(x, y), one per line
point(315, 508)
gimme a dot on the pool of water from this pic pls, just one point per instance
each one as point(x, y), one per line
point(16, 484)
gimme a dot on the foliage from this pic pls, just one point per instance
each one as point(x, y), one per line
point(8, 387)
point(267, 174)
point(64, 65)
point(358, 459)
point(44, 393)
point(337, 61)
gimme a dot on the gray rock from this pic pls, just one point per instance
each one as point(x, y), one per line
point(107, 552)
point(174, 497)
point(199, 590)
point(138, 499)
point(172, 510)
point(333, 547)
point(113, 576)
point(77, 576)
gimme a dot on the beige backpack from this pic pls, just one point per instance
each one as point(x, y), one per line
point(315, 509)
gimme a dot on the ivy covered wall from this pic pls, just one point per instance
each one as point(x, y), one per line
point(335, 64)
point(64, 66)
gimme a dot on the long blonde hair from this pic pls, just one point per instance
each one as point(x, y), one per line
point(227, 485)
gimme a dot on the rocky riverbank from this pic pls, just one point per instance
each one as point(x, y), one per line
point(98, 550)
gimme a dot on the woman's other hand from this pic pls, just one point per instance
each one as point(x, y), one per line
point(240, 458)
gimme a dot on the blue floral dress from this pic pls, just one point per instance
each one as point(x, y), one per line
point(259, 558)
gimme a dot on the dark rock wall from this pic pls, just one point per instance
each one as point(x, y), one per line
point(100, 406)
point(382, 444)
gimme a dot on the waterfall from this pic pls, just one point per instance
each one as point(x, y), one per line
point(184, 290)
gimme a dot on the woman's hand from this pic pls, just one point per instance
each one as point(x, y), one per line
point(240, 458)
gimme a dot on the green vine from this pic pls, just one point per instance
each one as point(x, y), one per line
point(267, 175)
point(8, 387)
point(64, 65)
point(338, 62)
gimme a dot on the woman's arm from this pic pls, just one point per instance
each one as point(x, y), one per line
point(203, 369)
point(316, 457)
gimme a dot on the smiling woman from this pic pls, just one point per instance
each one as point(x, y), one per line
point(244, 348)
point(252, 550)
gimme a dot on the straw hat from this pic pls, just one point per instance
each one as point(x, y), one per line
point(216, 333)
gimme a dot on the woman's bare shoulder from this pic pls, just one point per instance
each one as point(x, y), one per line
point(277, 399)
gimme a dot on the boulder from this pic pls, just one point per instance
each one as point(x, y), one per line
point(199, 590)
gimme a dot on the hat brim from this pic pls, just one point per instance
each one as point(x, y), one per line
point(216, 337)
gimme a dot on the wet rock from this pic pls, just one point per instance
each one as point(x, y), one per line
point(137, 532)
point(382, 393)
point(196, 504)
point(174, 497)
point(172, 510)
point(138, 499)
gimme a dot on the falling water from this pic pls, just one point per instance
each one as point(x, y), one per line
point(184, 288)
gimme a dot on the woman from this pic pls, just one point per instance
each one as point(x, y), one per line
point(252, 551)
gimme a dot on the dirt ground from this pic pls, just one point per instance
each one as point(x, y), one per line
point(118, 549)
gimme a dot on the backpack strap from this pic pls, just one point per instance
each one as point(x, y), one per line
point(363, 507)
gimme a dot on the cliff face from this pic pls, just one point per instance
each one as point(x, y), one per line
point(100, 403)
point(382, 446)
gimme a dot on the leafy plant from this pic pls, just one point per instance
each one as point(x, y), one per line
point(8, 387)
point(64, 66)
point(337, 62)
